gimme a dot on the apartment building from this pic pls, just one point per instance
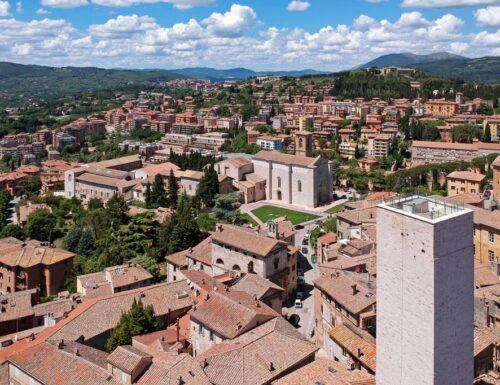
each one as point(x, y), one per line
point(441, 108)
point(440, 152)
point(224, 316)
point(464, 182)
point(33, 264)
point(343, 298)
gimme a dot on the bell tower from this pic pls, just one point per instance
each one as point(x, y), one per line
point(304, 144)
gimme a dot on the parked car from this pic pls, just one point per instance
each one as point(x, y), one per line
point(305, 250)
point(343, 197)
point(298, 304)
point(298, 227)
point(299, 295)
point(294, 320)
point(300, 272)
point(305, 241)
point(301, 281)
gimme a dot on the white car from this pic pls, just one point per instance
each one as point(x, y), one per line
point(298, 304)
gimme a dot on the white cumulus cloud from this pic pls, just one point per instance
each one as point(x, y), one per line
point(4, 8)
point(447, 3)
point(64, 3)
point(488, 17)
point(124, 25)
point(298, 6)
point(235, 22)
point(178, 4)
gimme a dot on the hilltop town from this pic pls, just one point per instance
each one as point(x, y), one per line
point(326, 230)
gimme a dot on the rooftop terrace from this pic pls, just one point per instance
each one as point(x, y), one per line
point(424, 207)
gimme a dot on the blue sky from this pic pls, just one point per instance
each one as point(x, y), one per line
point(259, 34)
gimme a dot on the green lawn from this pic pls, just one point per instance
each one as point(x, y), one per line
point(248, 219)
point(265, 213)
point(335, 209)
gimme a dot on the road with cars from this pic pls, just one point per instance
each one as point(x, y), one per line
point(307, 272)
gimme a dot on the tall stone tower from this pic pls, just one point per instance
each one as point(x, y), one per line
point(304, 143)
point(425, 288)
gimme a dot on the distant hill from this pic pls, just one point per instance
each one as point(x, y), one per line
point(483, 70)
point(236, 73)
point(444, 64)
point(408, 59)
point(48, 82)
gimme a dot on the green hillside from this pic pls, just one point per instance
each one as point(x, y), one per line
point(19, 82)
point(484, 70)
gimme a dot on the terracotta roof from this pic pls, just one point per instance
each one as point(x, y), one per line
point(468, 198)
point(341, 290)
point(326, 372)
point(232, 313)
point(359, 216)
point(256, 286)
point(483, 339)
point(257, 357)
point(153, 169)
point(52, 365)
point(246, 239)
point(496, 162)
point(379, 195)
point(328, 238)
point(444, 145)
point(127, 358)
point(127, 274)
point(16, 305)
point(466, 175)
point(202, 280)
point(99, 315)
point(355, 340)
point(485, 276)
point(178, 259)
point(194, 175)
point(168, 368)
point(202, 252)
point(14, 252)
point(168, 336)
point(278, 157)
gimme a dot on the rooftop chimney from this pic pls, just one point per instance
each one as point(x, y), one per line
point(354, 289)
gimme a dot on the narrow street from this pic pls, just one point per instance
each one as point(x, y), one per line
point(306, 313)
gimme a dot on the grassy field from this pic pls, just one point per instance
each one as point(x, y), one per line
point(335, 209)
point(265, 213)
point(246, 217)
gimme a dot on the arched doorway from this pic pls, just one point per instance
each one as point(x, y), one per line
point(280, 197)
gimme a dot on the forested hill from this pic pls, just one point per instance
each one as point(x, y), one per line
point(18, 80)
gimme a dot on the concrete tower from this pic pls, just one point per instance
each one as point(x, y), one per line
point(425, 288)
point(304, 143)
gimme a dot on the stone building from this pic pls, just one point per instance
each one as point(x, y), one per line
point(33, 264)
point(425, 284)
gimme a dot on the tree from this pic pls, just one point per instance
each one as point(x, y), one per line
point(117, 208)
point(41, 225)
point(86, 243)
point(487, 134)
point(137, 321)
point(158, 193)
point(148, 198)
point(208, 187)
point(226, 208)
point(173, 190)
point(11, 230)
point(181, 230)
point(72, 238)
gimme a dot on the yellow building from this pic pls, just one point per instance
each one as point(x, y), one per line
point(496, 178)
point(494, 123)
point(441, 108)
point(464, 182)
point(486, 235)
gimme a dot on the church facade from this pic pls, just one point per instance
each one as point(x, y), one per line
point(298, 179)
